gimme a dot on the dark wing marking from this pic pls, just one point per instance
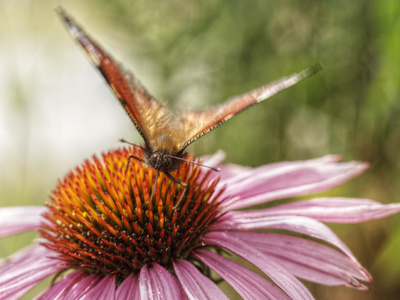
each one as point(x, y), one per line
point(198, 124)
point(148, 115)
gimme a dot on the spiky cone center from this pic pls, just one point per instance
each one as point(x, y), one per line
point(101, 219)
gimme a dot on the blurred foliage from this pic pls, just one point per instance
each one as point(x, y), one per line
point(198, 53)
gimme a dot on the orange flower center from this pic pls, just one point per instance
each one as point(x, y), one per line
point(100, 217)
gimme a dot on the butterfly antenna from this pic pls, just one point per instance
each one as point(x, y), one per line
point(196, 163)
point(136, 145)
point(154, 187)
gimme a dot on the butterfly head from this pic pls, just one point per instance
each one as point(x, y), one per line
point(162, 160)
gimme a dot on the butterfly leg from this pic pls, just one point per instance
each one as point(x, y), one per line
point(154, 187)
point(131, 156)
point(180, 199)
point(174, 179)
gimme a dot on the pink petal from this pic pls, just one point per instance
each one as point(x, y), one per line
point(307, 259)
point(104, 290)
point(230, 170)
point(18, 219)
point(58, 290)
point(194, 283)
point(213, 160)
point(286, 281)
point(269, 170)
point(335, 210)
point(129, 289)
point(247, 283)
point(25, 269)
point(245, 220)
point(24, 258)
point(80, 288)
point(157, 283)
point(290, 181)
point(279, 167)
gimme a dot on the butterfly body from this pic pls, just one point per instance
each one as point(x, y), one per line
point(166, 137)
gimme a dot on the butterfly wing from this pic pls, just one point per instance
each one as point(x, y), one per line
point(151, 118)
point(148, 115)
point(197, 124)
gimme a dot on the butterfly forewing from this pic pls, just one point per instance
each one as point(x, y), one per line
point(148, 115)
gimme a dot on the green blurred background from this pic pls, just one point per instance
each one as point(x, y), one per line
point(56, 111)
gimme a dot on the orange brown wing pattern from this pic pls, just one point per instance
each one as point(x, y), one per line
point(147, 114)
point(198, 124)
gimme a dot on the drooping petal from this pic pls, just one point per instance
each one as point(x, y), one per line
point(104, 290)
point(58, 290)
point(18, 219)
point(335, 210)
point(290, 181)
point(247, 283)
point(239, 220)
point(129, 289)
point(285, 280)
point(307, 259)
point(157, 283)
point(22, 271)
point(195, 284)
point(82, 287)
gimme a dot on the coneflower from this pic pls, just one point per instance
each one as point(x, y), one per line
point(102, 235)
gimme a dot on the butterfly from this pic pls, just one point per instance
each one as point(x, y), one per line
point(166, 137)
